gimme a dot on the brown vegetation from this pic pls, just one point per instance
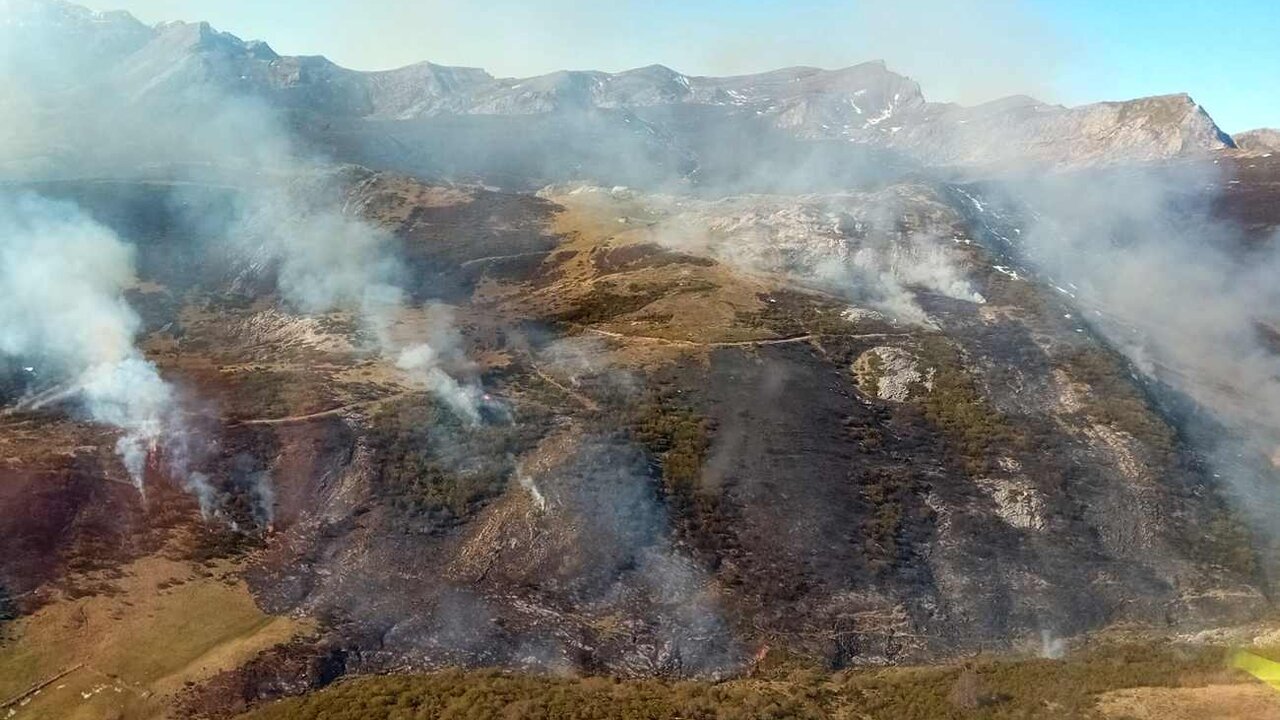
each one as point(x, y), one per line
point(989, 689)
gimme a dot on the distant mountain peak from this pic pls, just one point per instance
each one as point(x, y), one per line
point(867, 103)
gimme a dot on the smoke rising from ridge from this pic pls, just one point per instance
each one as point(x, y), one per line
point(62, 306)
point(854, 245)
point(294, 218)
point(1184, 295)
point(326, 258)
point(292, 222)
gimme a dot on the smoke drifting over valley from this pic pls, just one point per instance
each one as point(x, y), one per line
point(876, 249)
point(292, 224)
point(325, 258)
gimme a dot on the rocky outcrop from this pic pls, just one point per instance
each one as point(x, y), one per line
point(1264, 140)
point(1018, 130)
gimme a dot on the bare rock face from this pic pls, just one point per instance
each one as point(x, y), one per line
point(1264, 140)
point(1019, 130)
point(865, 106)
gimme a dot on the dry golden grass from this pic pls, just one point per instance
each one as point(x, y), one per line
point(1136, 682)
point(698, 303)
point(1251, 701)
point(169, 623)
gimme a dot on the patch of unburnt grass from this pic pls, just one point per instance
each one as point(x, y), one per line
point(679, 438)
point(983, 688)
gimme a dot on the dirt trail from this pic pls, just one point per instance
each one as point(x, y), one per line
point(495, 258)
point(581, 399)
point(333, 412)
point(16, 699)
point(739, 343)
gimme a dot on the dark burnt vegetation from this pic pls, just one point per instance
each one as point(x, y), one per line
point(15, 380)
point(222, 540)
point(609, 300)
point(1227, 541)
point(1001, 290)
point(1115, 400)
point(974, 429)
point(293, 668)
point(641, 256)
point(788, 313)
point(448, 248)
point(433, 466)
point(262, 394)
point(8, 608)
point(896, 518)
point(157, 308)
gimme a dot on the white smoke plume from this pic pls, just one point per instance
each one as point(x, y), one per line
point(1184, 295)
point(73, 115)
point(62, 305)
point(327, 258)
point(851, 244)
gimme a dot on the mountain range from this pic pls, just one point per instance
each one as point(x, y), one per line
point(626, 394)
point(664, 113)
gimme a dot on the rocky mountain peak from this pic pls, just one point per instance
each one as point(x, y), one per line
point(51, 44)
point(866, 104)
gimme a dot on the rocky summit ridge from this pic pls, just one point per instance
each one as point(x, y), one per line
point(866, 104)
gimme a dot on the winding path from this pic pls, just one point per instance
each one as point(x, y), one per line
point(332, 412)
point(739, 343)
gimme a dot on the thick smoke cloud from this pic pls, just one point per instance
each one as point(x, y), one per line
point(62, 308)
point(326, 258)
point(70, 117)
point(1184, 295)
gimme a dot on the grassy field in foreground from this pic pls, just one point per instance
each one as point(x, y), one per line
point(127, 652)
point(1074, 688)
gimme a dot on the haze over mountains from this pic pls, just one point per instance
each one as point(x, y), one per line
point(637, 374)
point(663, 120)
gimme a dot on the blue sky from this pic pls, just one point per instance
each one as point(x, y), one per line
point(1226, 54)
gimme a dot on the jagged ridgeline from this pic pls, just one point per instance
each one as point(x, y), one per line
point(546, 396)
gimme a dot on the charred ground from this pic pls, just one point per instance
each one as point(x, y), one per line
point(699, 466)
